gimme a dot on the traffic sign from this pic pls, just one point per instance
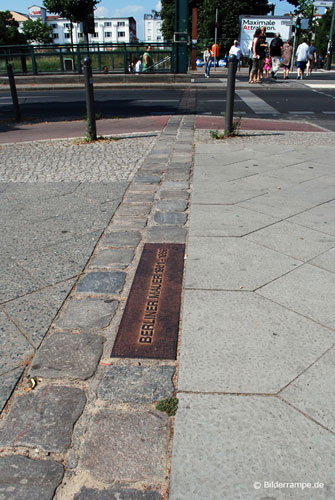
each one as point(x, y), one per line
point(323, 3)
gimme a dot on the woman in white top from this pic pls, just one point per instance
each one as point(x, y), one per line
point(207, 59)
point(138, 66)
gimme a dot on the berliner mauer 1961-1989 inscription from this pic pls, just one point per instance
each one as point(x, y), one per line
point(150, 323)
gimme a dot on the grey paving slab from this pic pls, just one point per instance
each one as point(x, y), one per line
point(116, 494)
point(15, 281)
point(321, 218)
point(138, 198)
point(280, 204)
point(313, 391)
point(177, 175)
point(300, 172)
point(255, 345)
point(134, 210)
point(147, 179)
point(325, 261)
point(308, 290)
point(293, 240)
point(172, 205)
point(102, 282)
point(224, 155)
point(121, 239)
point(112, 257)
point(233, 263)
point(137, 384)
point(43, 419)
point(128, 223)
point(35, 312)
point(137, 446)
point(8, 382)
point(178, 186)
point(174, 195)
point(227, 445)
point(51, 265)
point(14, 348)
point(85, 315)
point(214, 192)
point(170, 218)
point(166, 234)
point(21, 477)
point(55, 358)
point(140, 188)
point(218, 220)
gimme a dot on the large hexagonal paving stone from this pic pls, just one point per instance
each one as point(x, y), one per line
point(229, 447)
point(232, 263)
point(256, 346)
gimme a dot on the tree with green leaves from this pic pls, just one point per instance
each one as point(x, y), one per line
point(228, 18)
point(37, 31)
point(76, 11)
point(9, 30)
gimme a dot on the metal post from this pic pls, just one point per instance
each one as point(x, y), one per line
point(33, 60)
point(293, 51)
point(194, 37)
point(181, 30)
point(13, 92)
point(216, 35)
point(330, 41)
point(232, 67)
point(91, 125)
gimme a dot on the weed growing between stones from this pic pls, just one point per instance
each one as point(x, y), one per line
point(215, 134)
point(169, 406)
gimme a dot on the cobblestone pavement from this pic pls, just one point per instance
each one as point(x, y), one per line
point(70, 251)
point(73, 160)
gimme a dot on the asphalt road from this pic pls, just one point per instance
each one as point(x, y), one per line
point(313, 104)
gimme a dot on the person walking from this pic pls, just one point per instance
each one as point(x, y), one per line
point(207, 61)
point(301, 56)
point(138, 66)
point(312, 59)
point(287, 56)
point(147, 60)
point(258, 55)
point(235, 50)
point(276, 49)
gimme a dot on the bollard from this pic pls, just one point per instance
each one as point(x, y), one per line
point(232, 67)
point(15, 100)
point(91, 126)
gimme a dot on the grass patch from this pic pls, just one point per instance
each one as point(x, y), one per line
point(169, 406)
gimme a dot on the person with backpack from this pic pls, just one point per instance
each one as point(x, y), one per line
point(276, 49)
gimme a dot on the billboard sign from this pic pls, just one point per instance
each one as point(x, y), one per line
point(273, 24)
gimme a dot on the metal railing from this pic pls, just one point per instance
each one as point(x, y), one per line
point(108, 57)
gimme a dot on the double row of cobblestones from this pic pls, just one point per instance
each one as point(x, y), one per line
point(90, 430)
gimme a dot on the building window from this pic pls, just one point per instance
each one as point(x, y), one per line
point(96, 35)
point(80, 35)
point(55, 35)
point(108, 24)
point(96, 24)
point(149, 38)
point(67, 35)
point(67, 25)
point(159, 38)
point(121, 34)
point(108, 34)
point(54, 26)
point(121, 23)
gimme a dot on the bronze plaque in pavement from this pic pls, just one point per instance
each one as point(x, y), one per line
point(150, 323)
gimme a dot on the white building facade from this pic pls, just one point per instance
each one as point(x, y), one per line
point(107, 29)
point(152, 28)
